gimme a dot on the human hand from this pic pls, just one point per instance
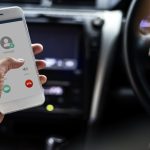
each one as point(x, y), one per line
point(9, 63)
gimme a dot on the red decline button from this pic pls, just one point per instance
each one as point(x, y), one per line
point(29, 83)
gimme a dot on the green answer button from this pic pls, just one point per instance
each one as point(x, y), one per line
point(6, 88)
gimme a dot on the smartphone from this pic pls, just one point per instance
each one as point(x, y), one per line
point(22, 88)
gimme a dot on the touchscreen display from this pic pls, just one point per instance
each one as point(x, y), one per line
point(19, 83)
point(61, 44)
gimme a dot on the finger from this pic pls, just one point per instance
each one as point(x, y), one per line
point(37, 48)
point(1, 117)
point(40, 64)
point(9, 63)
point(5, 65)
point(43, 79)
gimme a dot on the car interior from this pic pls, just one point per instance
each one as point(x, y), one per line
point(97, 55)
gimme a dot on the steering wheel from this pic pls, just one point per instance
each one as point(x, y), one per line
point(137, 49)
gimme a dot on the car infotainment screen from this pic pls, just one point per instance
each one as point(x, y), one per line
point(61, 44)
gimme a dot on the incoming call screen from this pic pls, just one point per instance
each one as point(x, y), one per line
point(23, 82)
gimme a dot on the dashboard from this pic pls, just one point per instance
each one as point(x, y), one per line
point(88, 89)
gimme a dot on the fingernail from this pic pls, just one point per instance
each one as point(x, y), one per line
point(21, 60)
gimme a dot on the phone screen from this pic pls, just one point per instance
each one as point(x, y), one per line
point(14, 42)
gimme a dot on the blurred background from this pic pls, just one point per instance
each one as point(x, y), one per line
point(90, 103)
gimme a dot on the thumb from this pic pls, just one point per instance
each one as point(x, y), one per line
point(10, 63)
point(5, 65)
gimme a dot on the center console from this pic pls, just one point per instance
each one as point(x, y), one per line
point(71, 46)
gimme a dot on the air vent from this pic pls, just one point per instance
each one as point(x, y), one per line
point(74, 2)
point(21, 1)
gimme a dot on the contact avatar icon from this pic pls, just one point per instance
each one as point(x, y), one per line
point(7, 43)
